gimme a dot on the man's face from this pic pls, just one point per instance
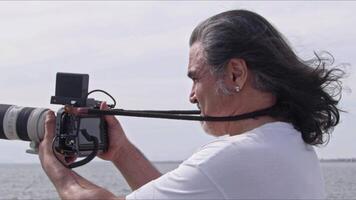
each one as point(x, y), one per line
point(204, 90)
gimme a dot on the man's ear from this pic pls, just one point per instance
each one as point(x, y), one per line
point(237, 72)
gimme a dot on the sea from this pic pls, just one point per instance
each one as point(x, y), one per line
point(28, 181)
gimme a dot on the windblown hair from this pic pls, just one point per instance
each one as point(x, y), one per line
point(307, 91)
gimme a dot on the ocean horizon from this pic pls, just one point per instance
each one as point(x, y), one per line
point(28, 181)
point(179, 161)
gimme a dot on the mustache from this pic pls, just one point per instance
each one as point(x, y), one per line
point(199, 108)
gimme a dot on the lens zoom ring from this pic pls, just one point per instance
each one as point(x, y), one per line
point(21, 123)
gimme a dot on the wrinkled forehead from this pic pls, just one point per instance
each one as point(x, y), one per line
point(196, 58)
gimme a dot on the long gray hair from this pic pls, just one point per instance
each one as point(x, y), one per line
point(307, 92)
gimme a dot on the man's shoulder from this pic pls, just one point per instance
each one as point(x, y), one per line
point(221, 149)
point(249, 146)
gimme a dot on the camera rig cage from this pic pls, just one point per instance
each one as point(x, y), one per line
point(78, 135)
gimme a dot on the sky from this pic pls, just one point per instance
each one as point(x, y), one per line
point(138, 52)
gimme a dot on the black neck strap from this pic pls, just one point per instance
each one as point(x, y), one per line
point(191, 115)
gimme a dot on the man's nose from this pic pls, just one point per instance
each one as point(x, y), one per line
point(192, 97)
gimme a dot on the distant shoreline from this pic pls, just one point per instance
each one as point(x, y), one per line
point(322, 160)
point(348, 160)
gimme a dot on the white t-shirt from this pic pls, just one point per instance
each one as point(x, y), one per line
point(269, 162)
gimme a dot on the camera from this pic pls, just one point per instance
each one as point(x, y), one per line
point(75, 135)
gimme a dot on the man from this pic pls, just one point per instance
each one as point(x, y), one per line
point(239, 63)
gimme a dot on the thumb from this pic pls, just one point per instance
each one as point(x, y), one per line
point(49, 126)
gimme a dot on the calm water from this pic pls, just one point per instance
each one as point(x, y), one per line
point(28, 181)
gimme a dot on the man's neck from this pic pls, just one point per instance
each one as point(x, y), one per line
point(240, 127)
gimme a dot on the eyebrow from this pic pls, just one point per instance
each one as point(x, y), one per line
point(191, 74)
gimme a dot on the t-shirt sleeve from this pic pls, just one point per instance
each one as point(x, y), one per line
point(185, 182)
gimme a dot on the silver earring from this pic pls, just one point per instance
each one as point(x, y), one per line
point(237, 88)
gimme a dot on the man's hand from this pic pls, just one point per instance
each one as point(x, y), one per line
point(69, 185)
point(132, 164)
point(117, 137)
point(53, 168)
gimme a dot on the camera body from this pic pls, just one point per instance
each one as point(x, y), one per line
point(73, 131)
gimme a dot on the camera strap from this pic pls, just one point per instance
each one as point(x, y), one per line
point(191, 115)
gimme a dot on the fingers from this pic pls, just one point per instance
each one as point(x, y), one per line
point(79, 111)
point(110, 119)
point(47, 159)
point(49, 126)
point(70, 159)
point(104, 106)
point(46, 154)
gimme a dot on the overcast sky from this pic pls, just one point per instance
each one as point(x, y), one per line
point(138, 51)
